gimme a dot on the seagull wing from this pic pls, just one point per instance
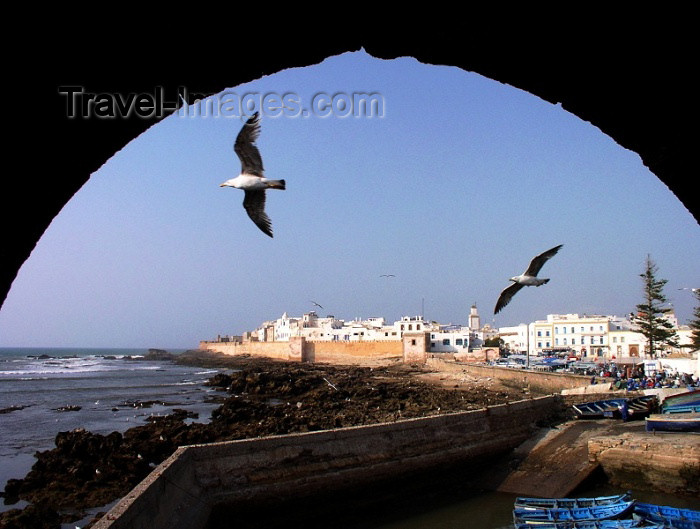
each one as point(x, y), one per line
point(254, 204)
point(537, 262)
point(506, 296)
point(248, 153)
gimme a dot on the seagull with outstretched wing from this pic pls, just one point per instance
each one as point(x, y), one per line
point(526, 279)
point(252, 179)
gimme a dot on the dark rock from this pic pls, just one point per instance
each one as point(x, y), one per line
point(33, 516)
point(68, 408)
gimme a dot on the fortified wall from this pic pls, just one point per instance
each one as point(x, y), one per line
point(301, 349)
point(184, 490)
point(413, 347)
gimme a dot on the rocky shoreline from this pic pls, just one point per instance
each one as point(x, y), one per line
point(258, 398)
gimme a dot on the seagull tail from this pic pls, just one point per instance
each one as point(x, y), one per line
point(277, 184)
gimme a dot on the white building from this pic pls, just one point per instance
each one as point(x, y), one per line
point(589, 337)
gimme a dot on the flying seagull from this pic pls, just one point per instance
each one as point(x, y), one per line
point(528, 278)
point(691, 289)
point(387, 275)
point(319, 306)
point(252, 180)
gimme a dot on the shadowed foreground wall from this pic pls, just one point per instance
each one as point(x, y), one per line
point(181, 492)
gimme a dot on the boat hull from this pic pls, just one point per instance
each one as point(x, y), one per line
point(673, 422)
point(580, 514)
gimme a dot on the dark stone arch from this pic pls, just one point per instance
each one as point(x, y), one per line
point(622, 78)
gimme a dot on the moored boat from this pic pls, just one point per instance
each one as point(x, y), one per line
point(636, 408)
point(596, 409)
point(577, 514)
point(673, 422)
point(674, 517)
point(598, 524)
point(688, 398)
point(568, 503)
point(624, 408)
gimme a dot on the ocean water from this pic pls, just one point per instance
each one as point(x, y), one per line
point(107, 385)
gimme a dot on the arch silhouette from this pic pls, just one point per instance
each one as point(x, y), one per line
point(633, 86)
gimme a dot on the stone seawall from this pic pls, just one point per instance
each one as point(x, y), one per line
point(542, 382)
point(182, 491)
point(667, 462)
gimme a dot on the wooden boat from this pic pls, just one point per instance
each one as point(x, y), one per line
point(673, 422)
point(598, 524)
point(637, 408)
point(670, 516)
point(682, 408)
point(568, 503)
point(685, 399)
point(576, 514)
point(595, 409)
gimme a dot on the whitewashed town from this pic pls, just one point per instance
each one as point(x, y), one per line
point(571, 337)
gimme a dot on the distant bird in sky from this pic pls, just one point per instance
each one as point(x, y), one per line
point(252, 180)
point(387, 275)
point(319, 306)
point(691, 289)
point(528, 278)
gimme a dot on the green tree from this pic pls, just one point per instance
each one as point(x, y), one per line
point(695, 322)
point(651, 318)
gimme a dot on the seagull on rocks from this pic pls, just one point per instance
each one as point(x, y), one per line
point(252, 180)
point(528, 278)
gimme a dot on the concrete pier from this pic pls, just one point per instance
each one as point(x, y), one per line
point(183, 490)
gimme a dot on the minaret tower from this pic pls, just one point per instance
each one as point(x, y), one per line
point(474, 319)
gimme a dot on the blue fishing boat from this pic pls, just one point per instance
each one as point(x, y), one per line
point(670, 516)
point(673, 422)
point(600, 524)
point(636, 408)
point(568, 503)
point(596, 409)
point(576, 514)
point(624, 408)
point(687, 398)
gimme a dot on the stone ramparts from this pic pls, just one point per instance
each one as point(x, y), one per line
point(182, 491)
point(540, 381)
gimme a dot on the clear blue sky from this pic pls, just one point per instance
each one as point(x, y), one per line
point(459, 183)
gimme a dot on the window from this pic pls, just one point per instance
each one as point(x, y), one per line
point(458, 341)
point(446, 341)
point(413, 341)
point(418, 326)
point(539, 333)
point(572, 330)
point(546, 333)
point(573, 341)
